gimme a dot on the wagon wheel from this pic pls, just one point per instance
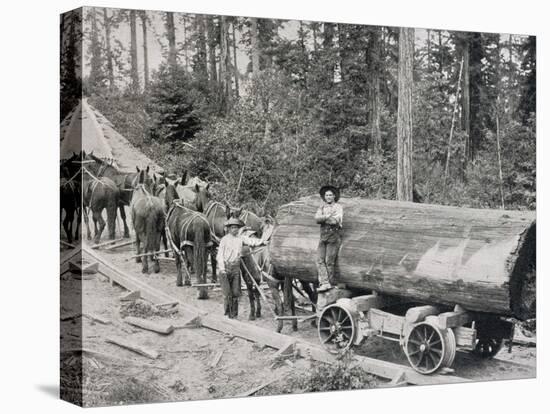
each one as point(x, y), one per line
point(337, 328)
point(427, 348)
point(450, 342)
point(488, 347)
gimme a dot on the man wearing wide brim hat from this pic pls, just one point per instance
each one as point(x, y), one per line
point(330, 216)
point(229, 261)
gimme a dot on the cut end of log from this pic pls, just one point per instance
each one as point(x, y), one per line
point(523, 281)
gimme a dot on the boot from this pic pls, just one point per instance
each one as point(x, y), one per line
point(226, 307)
point(234, 308)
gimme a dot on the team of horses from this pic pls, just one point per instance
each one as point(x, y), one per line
point(179, 212)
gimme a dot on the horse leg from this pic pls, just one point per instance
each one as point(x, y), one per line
point(77, 225)
point(165, 243)
point(188, 254)
point(111, 219)
point(99, 223)
point(87, 222)
point(213, 263)
point(138, 248)
point(145, 262)
point(179, 278)
point(123, 217)
point(251, 298)
point(258, 303)
point(289, 301)
point(67, 221)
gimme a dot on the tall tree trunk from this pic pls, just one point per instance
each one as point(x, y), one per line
point(375, 59)
point(110, 66)
point(466, 101)
point(476, 55)
point(342, 51)
point(255, 46)
point(200, 66)
point(429, 47)
point(210, 32)
point(404, 115)
point(96, 61)
point(171, 35)
point(225, 63)
point(185, 45)
point(133, 52)
point(143, 16)
point(235, 68)
point(439, 54)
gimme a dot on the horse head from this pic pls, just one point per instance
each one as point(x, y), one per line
point(144, 180)
point(202, 197)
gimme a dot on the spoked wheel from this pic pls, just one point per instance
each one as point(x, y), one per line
point(428, 348)
point(488, 347)
point(336, 328)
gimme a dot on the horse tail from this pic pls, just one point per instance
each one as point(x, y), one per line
point(199, 250)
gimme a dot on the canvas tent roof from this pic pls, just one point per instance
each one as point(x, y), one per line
point(81, 131)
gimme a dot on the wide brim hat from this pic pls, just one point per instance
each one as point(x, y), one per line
point(234, 222)
point(334, 190)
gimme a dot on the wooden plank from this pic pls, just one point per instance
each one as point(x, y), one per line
point(286, 350)
point(116, 246)
point(149, 325)
point(149, 353)
point(194, 322)
point(107, 243)
point(258, 388)
point(128, 281)
point(419, 313)
point(97, 318)
point(133, 295)
point(453, 319)
point(216, 359)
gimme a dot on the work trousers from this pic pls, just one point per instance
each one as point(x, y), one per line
point(230, 282)
point(327, 253)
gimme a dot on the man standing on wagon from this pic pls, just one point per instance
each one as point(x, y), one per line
point(329, 215)
point(229, 261)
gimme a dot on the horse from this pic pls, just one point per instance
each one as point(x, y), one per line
point(188, 232)
point(99, 194)
point(193, 192)
point(147, 212)
point(70, 201)
point(124, 181)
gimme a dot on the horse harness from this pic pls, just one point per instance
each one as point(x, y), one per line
point(192, 215)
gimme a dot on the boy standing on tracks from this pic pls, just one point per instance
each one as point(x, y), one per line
point(329, 215)
point(229, 261)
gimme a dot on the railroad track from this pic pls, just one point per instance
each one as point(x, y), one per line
point(104, 140)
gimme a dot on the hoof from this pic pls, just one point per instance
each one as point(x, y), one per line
point(251, 317)
point(138, 259)
point(203, 294)
point(126, 235)
point(145, 271)
point(258, 314)
point(187, 283)
point(295, 328)
point(279, 329)
point(179, 284)
point(156, 268)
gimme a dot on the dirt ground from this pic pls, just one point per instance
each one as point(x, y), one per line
point(184, 369)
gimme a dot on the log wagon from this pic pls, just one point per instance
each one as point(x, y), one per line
point(434, 278)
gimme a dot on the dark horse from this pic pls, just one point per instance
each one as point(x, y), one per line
point(148, 221)
point(99, 194)
point(189, 234)
point(125, 183)
point(70, 198)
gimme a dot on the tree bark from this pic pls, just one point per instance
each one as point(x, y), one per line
point(171, 35)
point(225, 62)
point(133, 53)
point(110, 66)
point(235, 67)
point(255, 46)
point(481, 259)
point(404, 115)
point(375, 59)
point(143, 16)
point(476, 55)
point(466, 99)
point(185, 45)
point(210, 32)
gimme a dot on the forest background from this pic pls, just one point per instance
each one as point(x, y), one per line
point(269, 110)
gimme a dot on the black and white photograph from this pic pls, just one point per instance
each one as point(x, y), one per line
point(255, 206)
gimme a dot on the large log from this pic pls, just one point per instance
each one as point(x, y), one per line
point(481, 259)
